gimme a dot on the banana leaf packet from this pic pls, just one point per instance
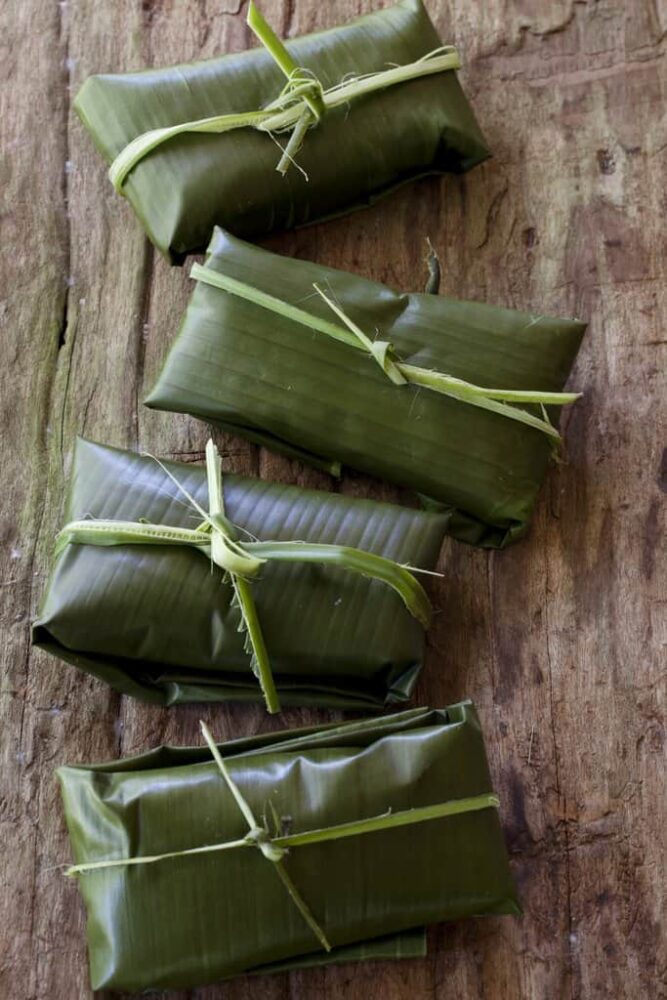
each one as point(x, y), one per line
point(357, 152)
point(202, 913)
point(244, 362)
point(159, 621)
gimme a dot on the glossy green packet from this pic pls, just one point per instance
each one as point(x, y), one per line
point(355, 154)
point(195, 918)
point(158, 622)
point(242, 365)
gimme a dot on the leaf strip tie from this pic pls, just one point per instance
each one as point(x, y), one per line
point(301, 105)
point(217, 538)
point(399, 372)
point(275, 848)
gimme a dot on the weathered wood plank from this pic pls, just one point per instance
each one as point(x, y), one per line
point(560, 641)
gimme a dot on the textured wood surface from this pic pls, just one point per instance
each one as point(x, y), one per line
point(561, 641)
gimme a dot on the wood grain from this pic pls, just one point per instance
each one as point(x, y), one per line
point(561, 641)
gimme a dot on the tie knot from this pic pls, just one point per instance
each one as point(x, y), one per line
point(383, 352)
point(259, 836)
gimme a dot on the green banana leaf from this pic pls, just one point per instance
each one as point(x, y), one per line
point(159, 621)
point(264, 376)
point(191, 919)
point(355, 154)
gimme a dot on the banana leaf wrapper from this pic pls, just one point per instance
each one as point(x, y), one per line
point(186, 921)
point(356, 154)
point(272, 380)
point(158, 622)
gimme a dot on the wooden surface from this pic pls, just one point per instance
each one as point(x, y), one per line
point(559, 641)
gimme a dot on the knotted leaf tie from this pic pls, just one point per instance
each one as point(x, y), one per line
point(275, 848)
point(241, 561)
point(500, 401)
point(300, 106)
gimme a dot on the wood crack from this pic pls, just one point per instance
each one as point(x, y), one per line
point(492, 215)
point(66, 184)
point(64, 323)
point(149, 10)
point(551, 29)
point(67, 352)
point(234, 11)
point(580, 71)
point(559, 791)
point(493, 645)
point(68, 325)
point(288, 19)
point(147, 270)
